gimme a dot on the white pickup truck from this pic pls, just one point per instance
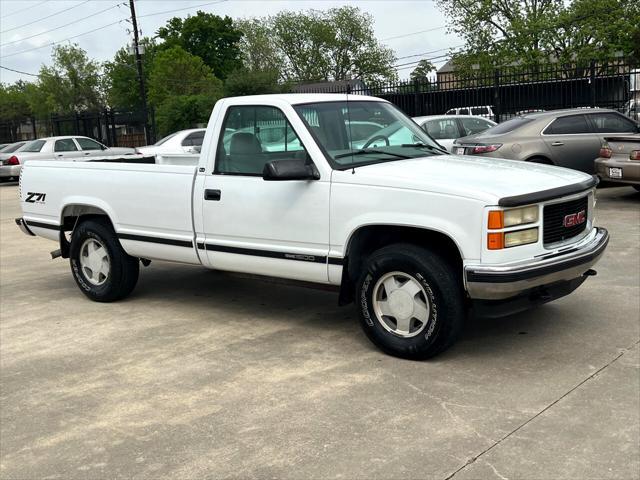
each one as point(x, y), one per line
point(413, 235)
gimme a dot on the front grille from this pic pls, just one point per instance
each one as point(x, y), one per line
point(553, 223)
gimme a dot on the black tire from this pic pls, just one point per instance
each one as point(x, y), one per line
point(440, 283)
point(637, 187)
point(123, 269)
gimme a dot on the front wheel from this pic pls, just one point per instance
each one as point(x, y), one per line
point(101, 268)
point(410, 301)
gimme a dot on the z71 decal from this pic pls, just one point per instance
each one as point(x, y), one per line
point(35, 197)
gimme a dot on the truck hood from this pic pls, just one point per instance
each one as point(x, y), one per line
point(481, 178)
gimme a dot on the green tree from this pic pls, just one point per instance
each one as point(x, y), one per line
point(253, 82)
point(182, 89)
point(121, 76)
point(331, 45)
point(525, 33)
point(71, 84)
point(177, 72)
point(214, 39)
point(422, 70)
point(183, 111)
point(14, 105)
point(259, 51)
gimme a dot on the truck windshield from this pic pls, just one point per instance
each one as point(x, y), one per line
point(357, 133)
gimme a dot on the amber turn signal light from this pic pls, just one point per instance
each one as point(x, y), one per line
point(496, 219)
point(495, 241)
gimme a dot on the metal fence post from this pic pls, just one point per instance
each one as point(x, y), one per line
point(496, 95)
point(416, 98)
point(592, 82)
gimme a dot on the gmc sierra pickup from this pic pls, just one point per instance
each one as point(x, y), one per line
point(336, 190)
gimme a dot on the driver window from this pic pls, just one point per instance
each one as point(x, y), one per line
point(253, 136)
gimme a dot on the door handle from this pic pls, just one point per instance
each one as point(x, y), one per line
point(557, 144)
point(212, 195)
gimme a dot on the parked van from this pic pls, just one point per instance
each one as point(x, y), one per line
point(480, 111)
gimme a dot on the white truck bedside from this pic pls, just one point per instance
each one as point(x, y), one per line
point(285, 187)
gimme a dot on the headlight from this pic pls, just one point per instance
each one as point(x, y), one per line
point(520, 237)
point(512, 217)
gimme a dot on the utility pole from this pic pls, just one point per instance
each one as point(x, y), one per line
point(143, 92)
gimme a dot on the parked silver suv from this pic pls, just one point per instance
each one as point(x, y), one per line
point(567, 138)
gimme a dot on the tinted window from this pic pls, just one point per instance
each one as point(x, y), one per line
point(444, 128)
point(88, 144)
point(194, 139)
point(479, 111)
point(12, 148)
point(474, 125)
point(510, 125)
point(568, 125)
point(34, 146)
point(612, 123)
point(464, 111)
point(254, 136)
point(65, 145)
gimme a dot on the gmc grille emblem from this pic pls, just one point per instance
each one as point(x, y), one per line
point(574, 219)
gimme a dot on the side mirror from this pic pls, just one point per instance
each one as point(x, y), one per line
point(295, 169)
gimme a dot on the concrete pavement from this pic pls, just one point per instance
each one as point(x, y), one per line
point(203, 374)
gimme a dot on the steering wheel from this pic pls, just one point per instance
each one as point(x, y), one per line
point(376, 137)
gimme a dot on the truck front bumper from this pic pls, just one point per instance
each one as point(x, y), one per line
point(500, 282)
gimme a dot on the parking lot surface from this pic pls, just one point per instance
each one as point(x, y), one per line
point(204, 374)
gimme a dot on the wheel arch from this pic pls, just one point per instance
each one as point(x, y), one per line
point(547, 160)
point(71, 215)
point(368, 238)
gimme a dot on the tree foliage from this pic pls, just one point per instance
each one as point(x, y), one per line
point(182, 89)
point(335, 44)
point(214, 39)
point(533, 32)
point(422, 70)
point(121, 76)
point(71, 84)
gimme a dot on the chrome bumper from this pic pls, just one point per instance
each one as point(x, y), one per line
point(23, 227)
point(497, 282)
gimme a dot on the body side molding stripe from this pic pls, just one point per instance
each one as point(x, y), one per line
point(49, 226)
point(164, 241)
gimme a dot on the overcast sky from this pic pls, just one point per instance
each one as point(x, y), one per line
point(27, 25)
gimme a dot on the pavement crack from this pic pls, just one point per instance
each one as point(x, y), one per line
point(473, 459)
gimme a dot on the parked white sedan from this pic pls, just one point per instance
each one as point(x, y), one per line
point(183, 141)
point(446, 128)
point(61, 148)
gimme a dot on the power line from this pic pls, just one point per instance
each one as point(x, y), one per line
point(64, 39)
point(180, 9)
point(23, 9)
point(428, 53)
point(62, 26)
point(44, 18)
point(19, 71)
point(414, 33)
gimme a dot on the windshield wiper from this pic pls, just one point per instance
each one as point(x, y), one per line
point(424, 145)
point(365, 151)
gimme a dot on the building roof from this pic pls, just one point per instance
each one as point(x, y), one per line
point(447, 67)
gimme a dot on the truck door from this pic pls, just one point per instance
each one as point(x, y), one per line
point(274, 228)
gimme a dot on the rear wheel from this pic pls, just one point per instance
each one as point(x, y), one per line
point(637, 187)
point(410, 301)
point(101, 268)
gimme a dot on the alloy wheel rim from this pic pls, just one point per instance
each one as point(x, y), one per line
point(401, 304)
point(94, 261)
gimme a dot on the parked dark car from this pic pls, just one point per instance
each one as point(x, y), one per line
point(567, 138)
